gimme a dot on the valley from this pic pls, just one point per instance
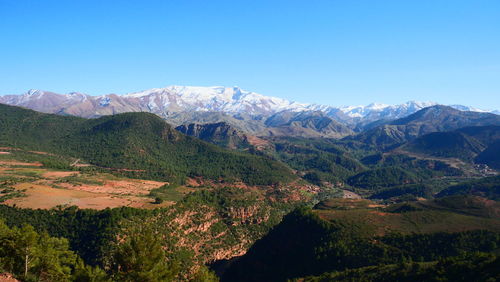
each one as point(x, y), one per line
point(249, 141)
point(214, 199)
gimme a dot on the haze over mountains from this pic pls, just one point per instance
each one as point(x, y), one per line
point(244, 110)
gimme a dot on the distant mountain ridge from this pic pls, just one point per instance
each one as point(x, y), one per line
point(464, 143)
point(432, 119)
point(172, 100)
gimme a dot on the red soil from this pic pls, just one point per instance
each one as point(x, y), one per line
point(20, 163)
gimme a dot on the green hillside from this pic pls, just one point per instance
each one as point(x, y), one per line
point(141, 144)
point(311, 242)
point(469, 267)
point(320, 160)
point(485, 134)
point(476, 143)
point(447, 144)
point(488, 187)
point(382, 177)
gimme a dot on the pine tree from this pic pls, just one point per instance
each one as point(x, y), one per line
point(26, 240)
point(141, 258)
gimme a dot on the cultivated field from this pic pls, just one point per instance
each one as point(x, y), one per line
point(28, 184)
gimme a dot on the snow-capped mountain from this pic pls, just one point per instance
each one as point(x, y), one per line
point(213, 99)
point(232, 101)
point(379, 111)
point(162, 101)
point(470, 109)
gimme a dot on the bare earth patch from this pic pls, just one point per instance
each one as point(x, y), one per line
point(46, 197)
point(46, 189)
point(41, 153)
point(11, 163)
point(81, 165)
point(120, 187)
point(258, 143)
point(4, 153)
point(59, 174)
point(350, 195)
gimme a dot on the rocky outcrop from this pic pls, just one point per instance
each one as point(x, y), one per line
point(220, 133)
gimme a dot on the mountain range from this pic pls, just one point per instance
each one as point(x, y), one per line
point(478, 143)
point(432, 119)
point(431, 171)
point(245, 110)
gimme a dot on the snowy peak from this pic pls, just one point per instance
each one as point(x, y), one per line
point(189, 99)
point(382, 111)
point(215, 98)
point(469, 109)
point(32, 92)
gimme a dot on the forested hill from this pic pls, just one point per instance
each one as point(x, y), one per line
point(343, 234)
point(134, 141)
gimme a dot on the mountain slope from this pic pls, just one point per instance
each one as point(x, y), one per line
point(490, 156)
point(220, 133)
point(488, 187)
point(431, 119)
point(446, 144)
point(242, 122)
point(479, 143)
point(172, 101)
point(445, 118)
point(161, 101)
point(141, 142)
point(354, 234)
point(304, 124)
point(318, 160)
point(484, 134)
point(382, 177)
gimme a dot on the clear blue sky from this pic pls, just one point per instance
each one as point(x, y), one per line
point(332, 52)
